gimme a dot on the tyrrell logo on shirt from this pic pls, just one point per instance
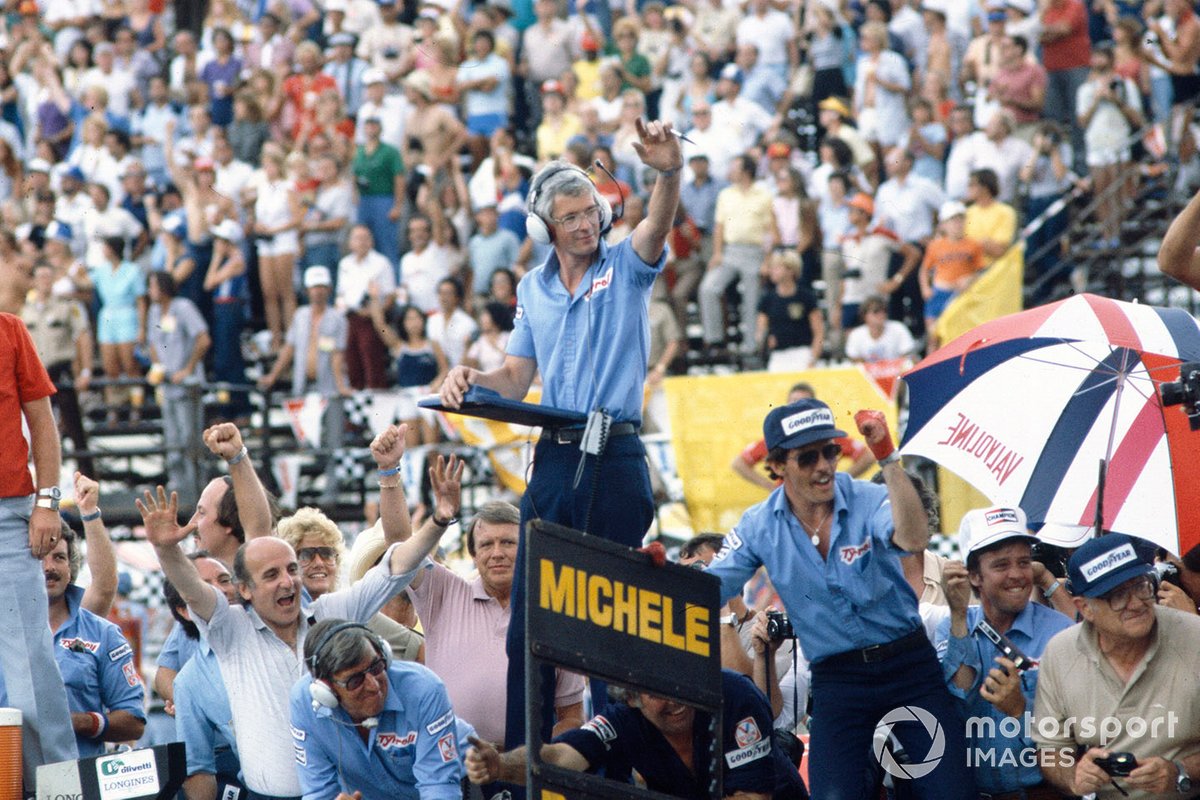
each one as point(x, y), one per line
point(1108, 562)
point(600, 284)
point(816, 418)
point(78, 645)
point(852, 554)
point(389, 740)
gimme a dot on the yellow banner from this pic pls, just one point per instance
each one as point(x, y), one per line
point(997, 293)
point(714, 417)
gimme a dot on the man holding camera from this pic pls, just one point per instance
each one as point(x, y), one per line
point(832, 546)
point(1118, 700)
point(997, 679)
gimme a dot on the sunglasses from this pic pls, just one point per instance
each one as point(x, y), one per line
point(809, 458)
point(375, 669)
point(307, 554)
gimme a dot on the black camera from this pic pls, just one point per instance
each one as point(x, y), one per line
point(1185, 392)
point(1166, 572)
point(1118, 765)
point(1052, 557)
point(779, 627)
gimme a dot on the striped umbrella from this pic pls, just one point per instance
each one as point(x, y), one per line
point(1026, 407)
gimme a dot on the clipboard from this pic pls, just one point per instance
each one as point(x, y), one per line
point(489, 404)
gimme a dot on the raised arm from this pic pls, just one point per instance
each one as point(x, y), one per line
point(1178, 255)
point(658, 148)
point(161, 519)
point(101, 556)
point(388, 449)
point(446, 478)
point(254, 510)
point(908, 514)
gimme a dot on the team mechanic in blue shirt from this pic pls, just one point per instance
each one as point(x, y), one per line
point(653, 736)
point(104, 690)
point(999, 567)
point(832, 546)
point(582, 319)
point(378, 729)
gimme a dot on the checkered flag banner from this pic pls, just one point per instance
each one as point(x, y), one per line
point(352, 464)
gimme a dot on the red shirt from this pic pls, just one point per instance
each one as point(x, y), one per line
point(22, 380)
point(1074, 49)
point(298, 89)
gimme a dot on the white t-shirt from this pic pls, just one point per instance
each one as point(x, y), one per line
point(354, 276)
point(452, 335)
point(894, 342)
point(421, 272)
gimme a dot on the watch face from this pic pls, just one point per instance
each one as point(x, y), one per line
point(53, 492)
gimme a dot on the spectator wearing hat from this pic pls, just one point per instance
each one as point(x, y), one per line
point(738, 112)
point(177, 340)
point(557, 125)
point(867, 251)
point(391, 110)
point(438, 131)
point(545, 55)
point(952, 262)
point(1130, 661)
point(980, 63)
point(485, 81)
point(347, 71)
point(587, 67)
point(834, 116)
point(743, 224)
point(832, 546)
point(999, 570)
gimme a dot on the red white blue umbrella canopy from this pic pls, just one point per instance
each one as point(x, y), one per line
point(1026, 407)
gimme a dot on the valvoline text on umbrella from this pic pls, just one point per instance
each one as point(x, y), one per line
point(968, 436)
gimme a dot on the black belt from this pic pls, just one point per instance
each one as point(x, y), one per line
point(877, 652)
point(575, 435)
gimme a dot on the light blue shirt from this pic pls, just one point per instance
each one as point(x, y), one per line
point(203, 718)
point(97, 668)
point(856, 598)
point(477, 102)
point(592, 347)
point(178, 649)
point(151, 122)
point(1000, 763)
point(415, 753)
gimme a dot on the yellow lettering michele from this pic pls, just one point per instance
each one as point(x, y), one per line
point(669, 636)
point(649, 615)
point(625, 608)
point(557, 595)
point(599, 600)
point(695, 629)
point(581, 592)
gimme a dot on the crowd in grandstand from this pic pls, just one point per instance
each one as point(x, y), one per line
point(329, 196)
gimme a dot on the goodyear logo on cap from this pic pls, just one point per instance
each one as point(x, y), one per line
point(1113, 560)
point(816, 418)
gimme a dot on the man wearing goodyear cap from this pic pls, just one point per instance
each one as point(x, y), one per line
point(1122, 681)
point(832, 547)
point(999, 553)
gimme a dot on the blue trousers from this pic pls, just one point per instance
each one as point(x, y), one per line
point(622, 512)
point(849, 701)
point(32, 681)
point(373, 212)
point(227, 362)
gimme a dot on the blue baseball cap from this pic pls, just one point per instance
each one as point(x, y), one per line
point(74, 172)
point(1104, 563)
point(799, 423)
point(60, 231)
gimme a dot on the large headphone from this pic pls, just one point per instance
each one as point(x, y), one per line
point(322, 693)
point(538, 228)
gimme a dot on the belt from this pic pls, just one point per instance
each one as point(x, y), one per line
point(221, 301)
point(1039, 792)
point(877, 652)
point(575, 435)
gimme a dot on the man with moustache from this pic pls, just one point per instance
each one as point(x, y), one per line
point(1129, 660)
point(999, 552)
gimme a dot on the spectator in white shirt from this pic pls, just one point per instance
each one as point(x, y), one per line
point(450, 326)
point(878, 338)
point(362, 274)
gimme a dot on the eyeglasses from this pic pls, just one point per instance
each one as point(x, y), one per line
point(572, 222)
point(307, 554)
point(374, 669)
point(809, 458)
point(1141, 588)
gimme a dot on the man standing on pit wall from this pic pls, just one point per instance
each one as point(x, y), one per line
point(582, 320)
point(832, 547)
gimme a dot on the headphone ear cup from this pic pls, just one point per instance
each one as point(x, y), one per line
point(606, 213)
point(537, 229)
point(382, 648)
point(322, 694)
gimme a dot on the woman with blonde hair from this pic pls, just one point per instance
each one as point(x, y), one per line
point(276, 214)
point(320, 548)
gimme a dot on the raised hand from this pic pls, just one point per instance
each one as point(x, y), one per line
point(874, 428)
point(388, 447)
point(483, 761)
point(87, 494)
point(657, 146)
point(224, 440)
point(446, 479)
point(161, 518)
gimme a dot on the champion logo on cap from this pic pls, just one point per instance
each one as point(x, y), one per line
point(1108, 562)
point(817, 417)
point(1002, 516)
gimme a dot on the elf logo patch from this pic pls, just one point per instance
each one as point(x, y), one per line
point(747, 733)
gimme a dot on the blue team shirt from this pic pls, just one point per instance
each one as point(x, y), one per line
point(856, 598)
point(1006, 768)
point(203, 718)
point(97, 668)
point(414, 752)
point(178, 649)
point(591, 347)
point(620, 739)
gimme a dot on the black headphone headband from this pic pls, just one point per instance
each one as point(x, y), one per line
point(327, 638)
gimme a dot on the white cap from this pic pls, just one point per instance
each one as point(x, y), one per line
point(983, 527)
point(373, 75)
point(1024, 6)
point(228, 230)
point(1065, 535)
point(317, 276)
point(949, 209)
point(39, 165)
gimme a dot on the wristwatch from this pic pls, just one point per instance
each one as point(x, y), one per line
point(731, 620)
point(1183, 784)
point(48, 498)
